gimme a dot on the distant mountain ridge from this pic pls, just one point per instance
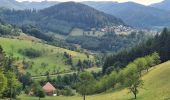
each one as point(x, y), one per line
point(13, 4)
point(9, 4)
point(134, 14)
point(165, 5)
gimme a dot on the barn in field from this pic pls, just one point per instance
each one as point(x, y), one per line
point(49, 89)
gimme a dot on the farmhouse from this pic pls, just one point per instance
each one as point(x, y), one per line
point(49, 89)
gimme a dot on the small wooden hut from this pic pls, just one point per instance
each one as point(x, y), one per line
point(49, 89)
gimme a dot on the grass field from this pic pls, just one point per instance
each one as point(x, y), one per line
point(53, 56)
point(156, 87)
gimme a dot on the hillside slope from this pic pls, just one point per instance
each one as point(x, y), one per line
point(52, 59)
point(156, 86)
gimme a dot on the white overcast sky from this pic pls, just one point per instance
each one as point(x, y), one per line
point(145, 2)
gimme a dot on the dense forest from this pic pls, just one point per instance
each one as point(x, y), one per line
point(159, 43)
point(109, 42)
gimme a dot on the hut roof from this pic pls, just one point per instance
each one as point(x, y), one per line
point(48, 87)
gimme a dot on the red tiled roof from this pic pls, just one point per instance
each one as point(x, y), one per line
point(48, 87)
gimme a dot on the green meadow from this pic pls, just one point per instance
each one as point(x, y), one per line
point(156, 87)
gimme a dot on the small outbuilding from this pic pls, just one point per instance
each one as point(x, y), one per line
point(49, 89)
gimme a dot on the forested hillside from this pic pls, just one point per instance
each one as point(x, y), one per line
point(160, 44)
point(109, 42)
point(61, 18)
point(88, 18)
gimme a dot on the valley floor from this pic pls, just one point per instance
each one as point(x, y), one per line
point(156, 87)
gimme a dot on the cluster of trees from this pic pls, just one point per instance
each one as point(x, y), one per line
point(35, 89)
point(81, 65)
point(128, 77)
point(12, 81)
point(62, 81)
point(159, 43)
point(8, 29)
point(30, 52)
point(10, 86)
point(108, 42)
point(33, 31)
point(68, 57)
point(86, 84)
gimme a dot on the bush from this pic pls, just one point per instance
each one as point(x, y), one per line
point(67, 91)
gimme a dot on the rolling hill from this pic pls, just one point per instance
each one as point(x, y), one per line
point(156, 86)
point(52, 59)
point(134, 14)
point(162, 5)
point(78, 15)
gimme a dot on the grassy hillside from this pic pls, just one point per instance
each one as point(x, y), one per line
point(52, 56)
point(156, 86)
